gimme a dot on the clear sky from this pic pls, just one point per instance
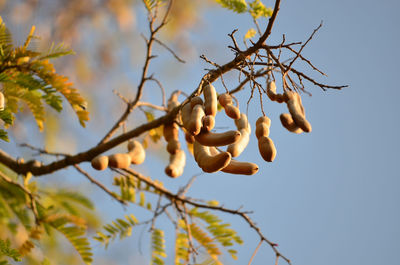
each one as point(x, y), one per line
point(332, 196)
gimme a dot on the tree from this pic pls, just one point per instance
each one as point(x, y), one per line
point(34, 212)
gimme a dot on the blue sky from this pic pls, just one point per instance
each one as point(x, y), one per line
point(331, 196)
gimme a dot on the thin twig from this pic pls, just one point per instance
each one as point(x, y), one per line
point(43, 151)
point(147, 104)
point(302, 47)
point(151, 78)
point(255, 252)
point(98, 184)
point(176, 198)
point(170, 50)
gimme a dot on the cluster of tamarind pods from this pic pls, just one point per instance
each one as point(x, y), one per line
point(135, 155)
point(197, 117)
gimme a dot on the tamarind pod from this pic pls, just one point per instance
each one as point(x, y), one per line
point(271, 90)
point(173, 98)
point(225, 99)
point(119, 160)
point(207, 162)
point(232, 111)
point(196, 118)
point(186, 113)
point(196, 101)
point(273, 96)
point(172, 105)
point(296, 109)
point(173, 146)
point(267, 148)
point(242, 168)
point(238, 147)
point(210, 100)
point(208, 123)
point(2, 101)
point(263, 119)
point(100, 162)
point(288, 123)
point(243, 123)
point(262, 129)
point(189, 138)
point(271, 86)
point(280, 98)
point(170, 131)
point(237, 167)
point(136, 152)
point(176, 164)
point(217, 139)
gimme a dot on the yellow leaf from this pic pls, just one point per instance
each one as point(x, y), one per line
point(250, 33)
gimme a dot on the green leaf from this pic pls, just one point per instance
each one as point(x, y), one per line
point(213, 203)
point(56, 51)
point(119, 228)
point(75, 236)
point(181, 248)
point(141, 199)
point(6, 116)
point(151, 4)
point(157, 247)
point(238, 6)
point(250, 33)
point(5, 249)
point(258, 9)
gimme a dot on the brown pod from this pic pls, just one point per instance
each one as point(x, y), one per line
point(232, 111)
point(242, 168)
point(243, 126)
point(217, 139)
point(186, 113)
point(288, 123)
point(189, 138)
point(267, 148)
point(173, 146)
point(210, 100)
point(2, 100)
point(271, 90)
point(208, 123)
point(242, 123)
point(173, 98)
point(100, 162)
point(238, 147)
point(136, 152)
point(280, 98)
point(176, 164)
point(271, 93)
point(296, 109)
point(262, 129)
point(207, 162)
point(225, 99)
point(263, 119)
point(170, 131)
point(172, 105)
point(236, 167)
point(119, 160)
point(196, 101)
point(196, 118)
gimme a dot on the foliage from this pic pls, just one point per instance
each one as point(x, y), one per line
point(6, 250)
point(59, 210)
point(27, 76)
point(256, 8)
